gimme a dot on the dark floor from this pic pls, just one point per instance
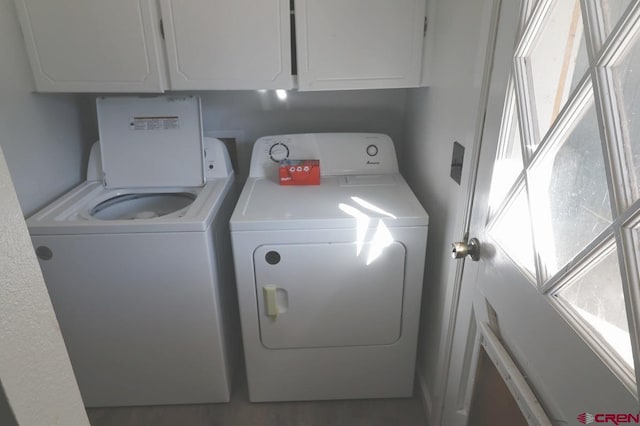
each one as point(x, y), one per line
point(240, 412)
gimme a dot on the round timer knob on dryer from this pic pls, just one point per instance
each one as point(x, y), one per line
point(372, 150)
point(278, 152)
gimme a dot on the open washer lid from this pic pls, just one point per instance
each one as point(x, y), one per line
point(151, 142)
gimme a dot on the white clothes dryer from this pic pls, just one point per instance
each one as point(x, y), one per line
point(137, 259)
point(329, 277)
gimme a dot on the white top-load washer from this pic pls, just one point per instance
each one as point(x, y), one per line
point(137, 259)
point(329, 277)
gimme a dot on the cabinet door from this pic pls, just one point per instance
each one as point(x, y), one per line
point(93, 45)
point(228, 44)
point(359, 44)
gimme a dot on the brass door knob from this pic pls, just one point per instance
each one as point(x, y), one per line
point(460, 250)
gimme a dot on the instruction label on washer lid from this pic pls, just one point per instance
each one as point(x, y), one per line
point(154, 123)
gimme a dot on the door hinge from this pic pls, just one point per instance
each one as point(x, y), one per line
point(424, 30)
point(162, 29)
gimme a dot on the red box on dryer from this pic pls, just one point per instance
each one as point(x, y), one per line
point(299, 172)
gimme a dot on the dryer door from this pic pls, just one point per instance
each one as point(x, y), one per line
point(329, 294)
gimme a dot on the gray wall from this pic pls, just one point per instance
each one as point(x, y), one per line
point(248, 115)
point(261, 114)
point(445, 112)
point(41, 135)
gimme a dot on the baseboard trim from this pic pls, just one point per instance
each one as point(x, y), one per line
point(425, 395)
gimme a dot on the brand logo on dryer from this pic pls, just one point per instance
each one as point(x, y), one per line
point(373, 163)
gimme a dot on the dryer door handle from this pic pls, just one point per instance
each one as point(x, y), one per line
point(270, 302)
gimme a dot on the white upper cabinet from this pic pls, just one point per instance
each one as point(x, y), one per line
point(359, 44)
point(228, 44)
point(93, 45)
point(156, 45)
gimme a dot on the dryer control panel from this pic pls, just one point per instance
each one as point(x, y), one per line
point(339, 153)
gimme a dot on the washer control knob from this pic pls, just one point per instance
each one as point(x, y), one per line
point(278, 152)
point(372, 150)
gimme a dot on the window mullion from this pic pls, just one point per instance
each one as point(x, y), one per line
point(523, 84)
point(608, 96)
point(608, 93)
point(629, 262)
point(595, 27)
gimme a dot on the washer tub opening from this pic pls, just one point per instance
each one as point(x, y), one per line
point(141, 205)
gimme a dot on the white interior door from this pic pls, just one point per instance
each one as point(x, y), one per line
point(555, 293)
